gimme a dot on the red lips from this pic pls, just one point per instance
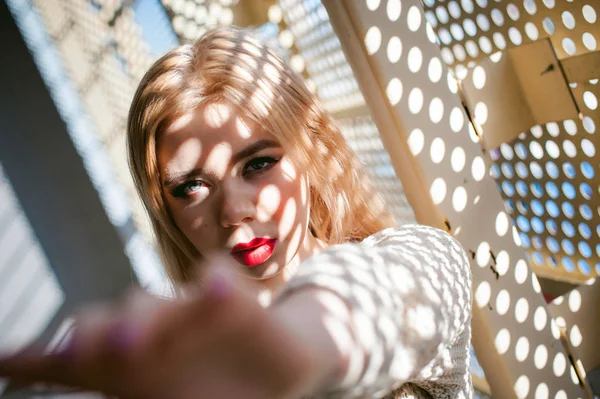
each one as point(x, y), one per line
point(254, 252)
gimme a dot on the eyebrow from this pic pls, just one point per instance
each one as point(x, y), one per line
point(254, 148)
point(247, 152)
point(170, 179)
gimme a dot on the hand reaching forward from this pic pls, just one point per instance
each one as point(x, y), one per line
point(219, 343)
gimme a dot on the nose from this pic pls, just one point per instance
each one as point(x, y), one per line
point(239, 204)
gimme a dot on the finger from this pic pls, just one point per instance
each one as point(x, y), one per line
point(32, 365)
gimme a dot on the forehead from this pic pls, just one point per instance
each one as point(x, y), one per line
point(209, 126)
point(207, 137)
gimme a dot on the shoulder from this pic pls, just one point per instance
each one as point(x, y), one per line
point(424, 242)
point(412, 233)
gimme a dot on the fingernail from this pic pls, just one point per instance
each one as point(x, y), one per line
point(123, 336)
point(69, 349)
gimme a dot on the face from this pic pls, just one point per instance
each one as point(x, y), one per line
point(231, 187)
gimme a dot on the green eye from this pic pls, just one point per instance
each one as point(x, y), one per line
point(188, 188)
point(259, 164)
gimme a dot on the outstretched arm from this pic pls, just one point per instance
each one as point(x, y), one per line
point(393, 306)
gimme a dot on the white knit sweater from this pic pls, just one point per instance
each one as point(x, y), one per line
point(409, 291)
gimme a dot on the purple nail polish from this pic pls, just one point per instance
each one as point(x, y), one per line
point(69, 349)
point(122, 336)
point(218, 287)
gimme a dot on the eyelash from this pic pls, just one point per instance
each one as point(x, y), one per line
point(270, 163)
point(181, 191)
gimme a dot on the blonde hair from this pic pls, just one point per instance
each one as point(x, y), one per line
point(229, 65)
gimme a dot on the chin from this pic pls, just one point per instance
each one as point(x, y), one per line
point(264, 271)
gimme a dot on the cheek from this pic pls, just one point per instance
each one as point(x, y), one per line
point(192, 221)
point(269, 202)
point(284, 202)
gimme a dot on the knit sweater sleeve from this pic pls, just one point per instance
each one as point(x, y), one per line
point(408, 291)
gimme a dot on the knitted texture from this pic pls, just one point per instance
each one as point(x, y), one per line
point(409, 294)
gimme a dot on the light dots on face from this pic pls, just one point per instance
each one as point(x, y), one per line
point(373, 40)
point(438, 190)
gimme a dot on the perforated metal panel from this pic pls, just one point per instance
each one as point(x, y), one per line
point(549, 182)
point(337, 88)
point(191, 17)
point(547, 176)
point(470, 30)
point(403, 67)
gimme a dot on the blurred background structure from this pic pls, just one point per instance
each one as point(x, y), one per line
point(474, 116)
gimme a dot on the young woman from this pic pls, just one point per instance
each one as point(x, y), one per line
point(245, 178)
